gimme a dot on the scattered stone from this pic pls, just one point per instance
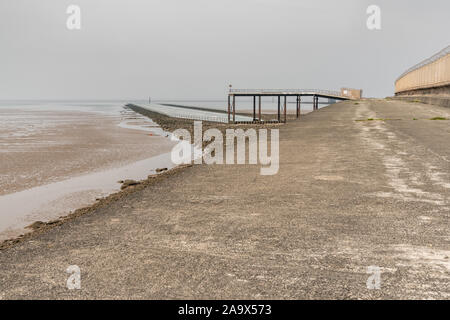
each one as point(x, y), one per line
point(36, 225)
point(128, 183)
point(160, 170)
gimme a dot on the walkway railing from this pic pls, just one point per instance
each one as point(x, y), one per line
point(200, 118)
point(431, 59)
point(287, 91)
point(433, 72)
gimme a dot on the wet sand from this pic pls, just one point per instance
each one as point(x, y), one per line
point(64, 160)
point(67, 160)
point(83, 142)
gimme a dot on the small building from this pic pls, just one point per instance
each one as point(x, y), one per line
point(351, 93)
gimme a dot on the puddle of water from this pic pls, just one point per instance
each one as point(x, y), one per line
point(57, 199)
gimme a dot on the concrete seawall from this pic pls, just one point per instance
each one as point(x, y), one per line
point(427, 82)
point(431, 74)
point(438, 100)
point(434, 90)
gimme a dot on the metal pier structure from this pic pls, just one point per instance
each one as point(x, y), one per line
point(257, 94)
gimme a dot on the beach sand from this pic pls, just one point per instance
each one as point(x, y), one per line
point(57, 148)
point(82, 143)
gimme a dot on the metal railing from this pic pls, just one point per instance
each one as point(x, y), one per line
point(287, 91)
point(425, 62)
point(200, 118)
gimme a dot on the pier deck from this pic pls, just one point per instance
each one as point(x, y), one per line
point(282, 105)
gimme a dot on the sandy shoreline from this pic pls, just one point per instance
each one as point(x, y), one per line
point(56, 210)
point(36, 227)
point(39, 227)
point(65, 160)
point(165, 124)
point(59, 210)
point(80, 143)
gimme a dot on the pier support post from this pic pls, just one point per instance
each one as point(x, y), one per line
point(229, 107)
point(296, 106)
point(299, 105)
point(234, 108)
point(254, 108)
point(285, 104)
point(279, 105)
point(259, 110)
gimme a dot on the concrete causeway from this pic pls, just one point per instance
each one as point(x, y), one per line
point(349, 194)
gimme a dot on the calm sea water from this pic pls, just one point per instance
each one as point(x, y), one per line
point(27, 118)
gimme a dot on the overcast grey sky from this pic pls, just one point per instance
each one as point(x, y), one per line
point(187, 49)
